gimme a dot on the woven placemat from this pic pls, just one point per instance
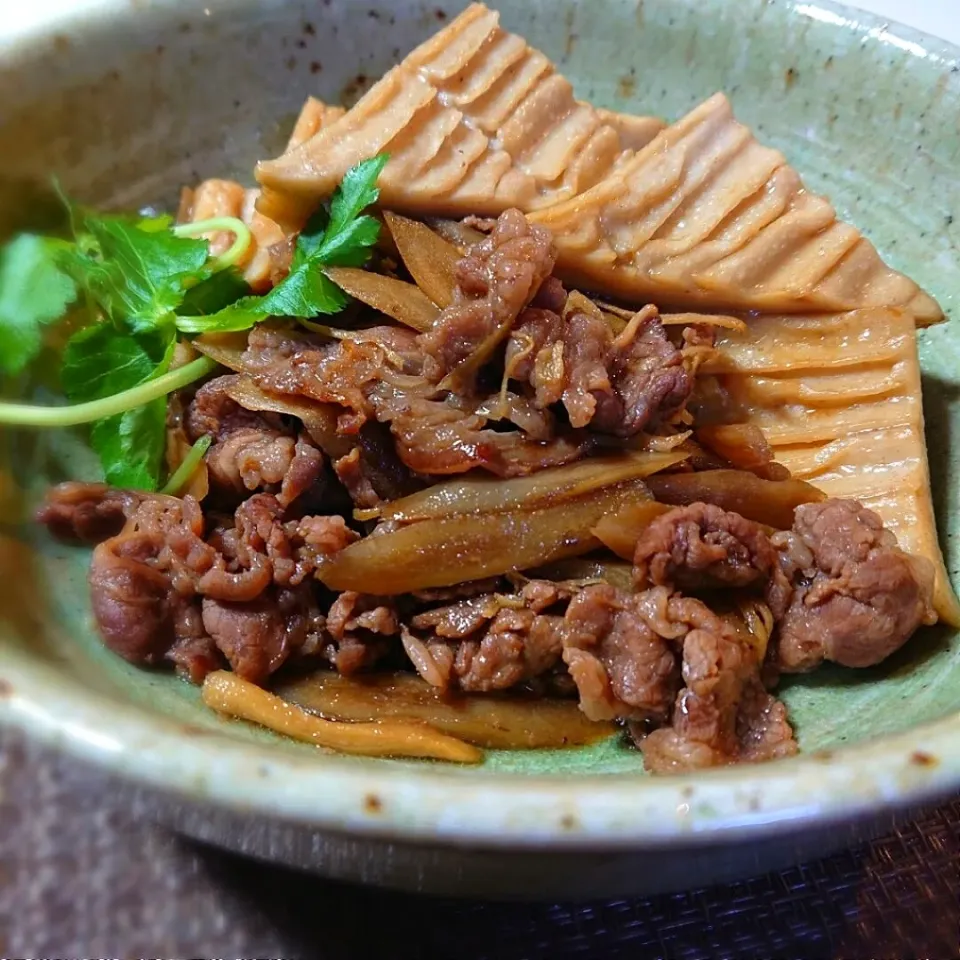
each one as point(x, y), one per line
point(79, 878)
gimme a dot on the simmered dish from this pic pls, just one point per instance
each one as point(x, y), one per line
point(492, 419)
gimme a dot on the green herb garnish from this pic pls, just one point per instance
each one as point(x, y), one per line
point(33, 293)
point(341, 237)
point(134, 286)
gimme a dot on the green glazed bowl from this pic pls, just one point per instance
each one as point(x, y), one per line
point(127, 101)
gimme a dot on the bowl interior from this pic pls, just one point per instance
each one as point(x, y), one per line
point(126, 108)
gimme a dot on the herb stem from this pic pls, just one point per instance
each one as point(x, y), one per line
point(181, 476)
point(28, 415)
point(241, 242)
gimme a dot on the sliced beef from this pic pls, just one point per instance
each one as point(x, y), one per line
point(702, 546)
point(447, 435)
point(86, 512)
point(648, 377)
point(253, 576)
point(434, 432)
point(251, 450)
point(490, 642)
point(763, 728)
point(141, 579)
point(621, 667)
point(496, 279)
point(360, 628)
point(257, 636)
point(614, 383)
point(858, 596)
point(261, 548)
point(340, 372)
point(723, 714)
point(194, 656)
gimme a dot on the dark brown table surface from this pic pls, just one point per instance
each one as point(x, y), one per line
point(80, 878)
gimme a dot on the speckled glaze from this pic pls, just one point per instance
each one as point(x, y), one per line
point(126, 101)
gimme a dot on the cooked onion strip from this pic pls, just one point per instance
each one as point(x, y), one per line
point(447, 550)
point(771, 502)
point(403, 302)
point(658, 444)
point(319, 419)
point(228, 694)
point(678, 319)
point(544, 488)
point(456, 232)
point(493, 721)
point(585, 570)
point(619, 531)
point(432, 261)
point(744, 446)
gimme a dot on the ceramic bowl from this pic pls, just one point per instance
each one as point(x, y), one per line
point(127, 101)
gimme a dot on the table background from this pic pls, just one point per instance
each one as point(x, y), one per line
point(79, 878)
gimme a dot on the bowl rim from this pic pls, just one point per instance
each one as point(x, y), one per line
point(467, 806)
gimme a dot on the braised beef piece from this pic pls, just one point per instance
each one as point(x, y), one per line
point(858, 596)
point(257, 636)
point(251, 450)
point(448, 435)
point(496, 279)
point(372, 471)
point(621, 667)
point(359, 628)
point(614, 383)
point(141, 579)
point(651, 657)
point(489, 642)
point(435, 433)
point(195, 653)
point(254, 578)
point(648, 377)
point(86, 512)
point(722, 715)
point(702, 546)
point(260, 548)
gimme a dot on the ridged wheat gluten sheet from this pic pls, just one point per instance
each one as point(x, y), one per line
point(838, 397)
point(475, 121)
point(706, 216)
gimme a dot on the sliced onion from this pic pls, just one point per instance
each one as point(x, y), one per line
point(456, 232)
point(619, 531)
point(770, 502)
point(319, 419)
point(431, 260)
point(585, 569)
point(403, 302)
point(446, 550)
point(227, 349)
point(496, 721)
point(484, 494)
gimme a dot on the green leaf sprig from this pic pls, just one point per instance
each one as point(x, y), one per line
point(137, 285)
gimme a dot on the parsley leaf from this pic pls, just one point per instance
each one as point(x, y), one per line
point(137, 273)
point(213, 294)
point(33, 293)
point(101, 361)
point(341, 237)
